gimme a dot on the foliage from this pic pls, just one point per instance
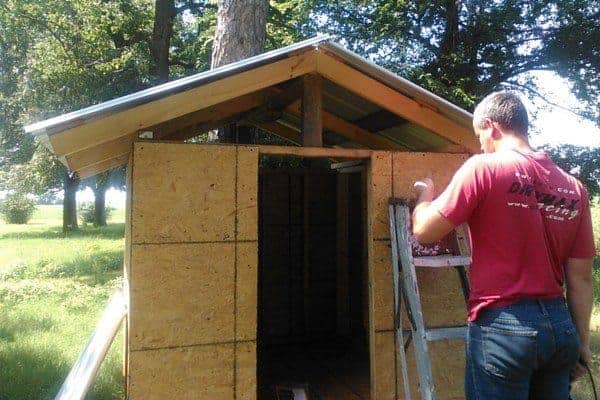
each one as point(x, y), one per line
point(464, 50)
point(582, 162)
point(17, 208)
point(86, 211)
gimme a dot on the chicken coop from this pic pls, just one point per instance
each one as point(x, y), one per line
point(251, 269)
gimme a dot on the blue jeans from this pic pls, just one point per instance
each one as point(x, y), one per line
point(522, 351)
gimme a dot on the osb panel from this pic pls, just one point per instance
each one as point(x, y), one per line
point(447, 366)
point(382, 285)
point(247, 290)
point(198, 373)
point(380, 190)
point(247, 193)
point(442, 299)
point(181, 294)
point(440, 289)
point(383, 369)
point(183, 193)
point(409, 167)
point(245, 380)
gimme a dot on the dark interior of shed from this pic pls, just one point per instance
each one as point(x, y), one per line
point(312, 290)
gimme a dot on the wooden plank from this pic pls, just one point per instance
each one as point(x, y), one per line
point(316, 152)
point(102, 166)
point(109, 127)
point(350, 131)
point(106, 151)
point(245, 371)
point(312, 104)
point(213, 114)
point(390, 99)
point(280, 130)
point(246, 290)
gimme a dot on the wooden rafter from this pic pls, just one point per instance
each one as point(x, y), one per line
point(126, 122)
point(388, 98)
point(91, 170)
point(280, 130)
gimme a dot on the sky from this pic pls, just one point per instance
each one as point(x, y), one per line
point(554, 125)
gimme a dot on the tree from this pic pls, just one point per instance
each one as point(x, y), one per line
point(464, 50)
point(99, 184)
point(582, 162)
point(76, 54)
point(240, 33)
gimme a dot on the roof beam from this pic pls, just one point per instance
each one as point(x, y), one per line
point(312, 105)
point(388, 98)
point(109, 127)
point(350, 131)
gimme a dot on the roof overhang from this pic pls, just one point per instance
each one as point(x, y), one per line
point(99, 137)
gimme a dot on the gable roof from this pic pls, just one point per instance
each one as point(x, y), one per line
point(364, 105)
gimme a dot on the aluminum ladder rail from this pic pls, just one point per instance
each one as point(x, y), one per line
point(83, 373)
point(406, 288)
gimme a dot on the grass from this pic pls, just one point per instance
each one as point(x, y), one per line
point(53, 290)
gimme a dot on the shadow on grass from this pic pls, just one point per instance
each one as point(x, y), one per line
point(112, 231)
point(11, 327)
point(98, 267)
point(29, 373)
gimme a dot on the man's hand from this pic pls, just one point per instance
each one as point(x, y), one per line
point(425, 189)
point(428, 225)
point(585, 355)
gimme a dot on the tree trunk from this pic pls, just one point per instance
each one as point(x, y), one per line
point(164, 15)
point(100, 206)
point(70, 186)
point(240, 33)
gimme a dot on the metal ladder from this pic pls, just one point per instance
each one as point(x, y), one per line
point(406, 288)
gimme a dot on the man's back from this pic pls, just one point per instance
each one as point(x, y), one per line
point(524, 214)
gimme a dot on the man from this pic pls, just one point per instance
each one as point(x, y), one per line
point(531, 231)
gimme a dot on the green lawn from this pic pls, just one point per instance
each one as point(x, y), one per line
point(53, 290)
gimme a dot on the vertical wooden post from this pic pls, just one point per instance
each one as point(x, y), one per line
point(343, 265)
point(312, 122)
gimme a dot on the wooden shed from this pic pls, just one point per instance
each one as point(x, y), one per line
point(246, 274)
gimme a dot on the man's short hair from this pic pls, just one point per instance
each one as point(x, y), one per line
point(504, 108)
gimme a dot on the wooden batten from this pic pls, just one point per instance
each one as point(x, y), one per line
point(388, 98)
point(100, 130)
point(315, 152)
point(312, 105)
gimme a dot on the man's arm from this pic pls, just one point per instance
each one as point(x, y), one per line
point(578, 273)
point(428, 225)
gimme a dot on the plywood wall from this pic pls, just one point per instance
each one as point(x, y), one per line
point(192, 272)
point(393, 174)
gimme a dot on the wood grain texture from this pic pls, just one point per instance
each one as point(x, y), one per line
point(247, 290)
point(245, 380)
point(380, 190)
point(247, 193)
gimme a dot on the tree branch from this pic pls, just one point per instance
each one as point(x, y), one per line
point(542, 97)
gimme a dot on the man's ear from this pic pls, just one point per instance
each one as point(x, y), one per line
point(496, 131)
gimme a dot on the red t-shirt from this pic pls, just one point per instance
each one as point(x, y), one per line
point(526, 217)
